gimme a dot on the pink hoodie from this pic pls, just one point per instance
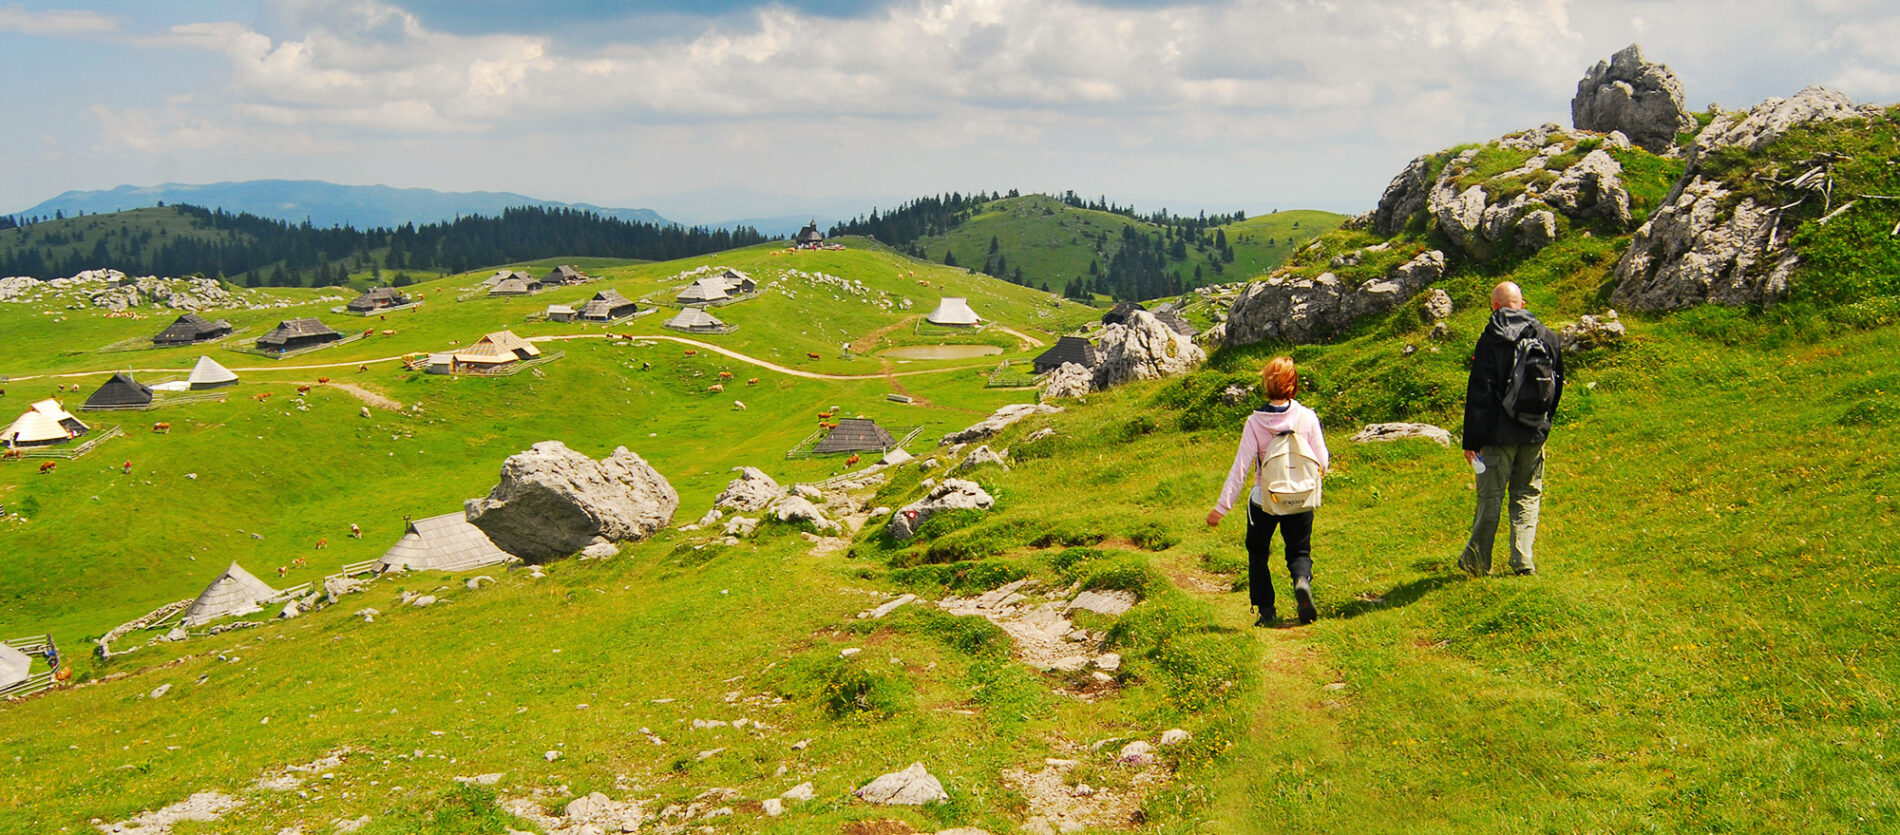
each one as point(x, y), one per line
point(1258, 432)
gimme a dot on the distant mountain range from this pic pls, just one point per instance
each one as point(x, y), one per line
point(323, 204)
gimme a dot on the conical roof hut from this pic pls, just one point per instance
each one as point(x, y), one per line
point(442, 543)
point(208, 374)
point(43, 423)
point(235, 592)
point(954, 312)
point(15, 666)
point(856, 435)
point(696, 320)
point(120, 392)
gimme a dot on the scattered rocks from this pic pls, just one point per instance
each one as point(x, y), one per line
point(772, 806)
point(802, 791)
point(368, 615)
point(886, 608)
point(1144, 349)
point(1303, 310)
point(896, 456)
point(1173, 737)
point(1236, 394)
point(1106, 602)
point(476, 582)
point(422, 601)
point(800, 509)
point(1628, 94)
point(1070, 380)
point(1592, 332)
point(711, 518)
point(203, 807)
point(553, 501)
point(1438, 305)
point(599, 549)
point(983, 455)
point(349, 825)
point(911, 787)
point(1592, 188)
point(159, 691)
point(1138, 752)
point(952, 494)
point(741, 526)
point(997, 421)
point(1399, 431)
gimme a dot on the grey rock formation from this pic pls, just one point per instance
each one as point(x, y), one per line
point(1104, 602)
point(952, 494)
point(1304, 310)
point(1438, 305)
point(997, 421)
point(1693, 250)
point(1591, 332)
point(1638, 98)
point(741, 526)
point(1403, 197)
point(911, 787)
point(1764, 123)
point(1589, 189)
point(1144, 349)
point(599, 549)
point(1592, 188)
point(800, 509)
point(1398, 431)
point(553, 501)
point(752, 491)
point(984, 455)
point(1070, 380)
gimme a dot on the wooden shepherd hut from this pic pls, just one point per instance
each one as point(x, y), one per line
point(208, 374)
point(737, 282)
point(378, 298)
point(191, 328)
point(562, 313)
point(494, 352)
point(608, 305)
point(15, 667)
point(856, 435)
point(44, 424)
point(442, 543)
point(563, 275)
point(293, 334)
point(235, 592)
point(516, 284)
point(695, 320)
point(120, 392)
point(1073, 349)
point(703, 291)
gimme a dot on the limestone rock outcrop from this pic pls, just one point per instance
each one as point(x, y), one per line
point(1398, 431)
point(911, 787)
point(553, 501)
point(800, 509)
point(1591, 332)
point(1694, 251)
point(1640, 99)
point(1144, 349)
point(997, 421)
point(752, 491)
point(952, 494)
point(1070, 380)
point(1761, 125)
point(1304, 310)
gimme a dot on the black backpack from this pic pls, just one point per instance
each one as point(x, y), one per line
point(1532, 389)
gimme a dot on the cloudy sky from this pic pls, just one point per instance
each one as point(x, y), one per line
point(716, 109)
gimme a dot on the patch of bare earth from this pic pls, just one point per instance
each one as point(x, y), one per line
point(1056, 804)
point(1041, 633)
point(369, 397)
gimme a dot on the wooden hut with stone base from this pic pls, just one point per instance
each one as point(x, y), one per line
point(120, 392)
point(45, 423)
point(191, 329)
point(442, 543)
point(378, 298)
point(235, 592)
point(695, 320)
point(953, 312)
point(294, 334)
point(856, 435)
point(608, 305)
point(1073, 349)
point(208, 374)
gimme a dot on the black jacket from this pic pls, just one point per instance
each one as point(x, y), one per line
point(1486, 424)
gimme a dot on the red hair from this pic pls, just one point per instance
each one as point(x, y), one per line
point(1279, 380)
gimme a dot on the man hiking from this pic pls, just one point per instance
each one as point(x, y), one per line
point(1517, 378)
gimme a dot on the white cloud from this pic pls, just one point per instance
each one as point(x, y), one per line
point(57, 23)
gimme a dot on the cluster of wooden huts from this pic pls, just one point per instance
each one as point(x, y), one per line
point(606, 306)
point(728, 285)
point(520, 283)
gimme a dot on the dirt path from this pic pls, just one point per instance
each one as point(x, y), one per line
point(870, 340)
point(358, 392)
point(1028, 341)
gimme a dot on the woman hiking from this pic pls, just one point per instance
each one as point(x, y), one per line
point(1286, 430)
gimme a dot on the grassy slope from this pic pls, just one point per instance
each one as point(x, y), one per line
point(1054, 242)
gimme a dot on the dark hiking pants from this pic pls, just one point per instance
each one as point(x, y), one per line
point(1296, 531)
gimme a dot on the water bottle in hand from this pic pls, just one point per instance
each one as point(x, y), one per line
point(1477, 464)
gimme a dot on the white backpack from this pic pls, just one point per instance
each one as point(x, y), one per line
point(1287, 480)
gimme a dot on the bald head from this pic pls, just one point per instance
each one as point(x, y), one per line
point(1506, 295)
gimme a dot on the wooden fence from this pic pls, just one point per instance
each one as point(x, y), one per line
point(66, 453)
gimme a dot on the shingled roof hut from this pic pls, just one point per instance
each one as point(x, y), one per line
point(292, 334)
point(954, 312)
point(235, 592)
point(737, 282)
point(1171, 317)
point(703, 291)
point(809, 236)
point(493, 352)
point(119, 392)
point(442, 543)
point(564, 274)
point(191, 328)
point(43, 424)
point(378, 298)
point(516, 284)
point(1073, 349)
point(608, 305)
point(695, 320)
point(856, 435)
point(208, 374)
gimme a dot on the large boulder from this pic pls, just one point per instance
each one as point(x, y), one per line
point(553, 501)
point(1403, 197)
point(997, 421)
point(752, 491)
point(1070, 380)
point(1696, 250)
point(1144, 349)
point(1592, 188)
point(952, 494)
point(800, 509)
point(1304, 310)
point(911, 787)
point(1628, 94)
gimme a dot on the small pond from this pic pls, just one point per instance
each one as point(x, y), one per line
point(941, 352)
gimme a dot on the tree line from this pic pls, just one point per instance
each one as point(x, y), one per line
point(266, 251)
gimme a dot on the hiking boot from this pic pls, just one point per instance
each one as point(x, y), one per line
point(1267, 620)
point(1303, 596)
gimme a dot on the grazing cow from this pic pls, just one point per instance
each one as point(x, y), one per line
point(303, 389)
point(646, 366)
point(299, 562)
point(369, 331)
point(812, 355)
point(162, 427)
point(355, 532)
point(389, 331)
point(362, 368)
point(852, 461)
point(738, 405)
point(322, 544)
point(752, 381)
point(260, 396)
point(48, 466)
point(692, 352)
point(282, 570)
point(11, 454)
point(322, 380)
point(716, 387)
point(725, 375)
point(823, 415)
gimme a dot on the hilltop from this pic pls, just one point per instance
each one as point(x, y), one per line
point(1705, 647)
